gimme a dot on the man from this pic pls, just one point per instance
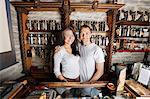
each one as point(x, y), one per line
point(91, 60)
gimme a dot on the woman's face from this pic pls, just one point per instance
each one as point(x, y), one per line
point(69, 37)
point(85, 34)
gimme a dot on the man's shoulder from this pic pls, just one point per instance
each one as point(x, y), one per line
point(96, 47)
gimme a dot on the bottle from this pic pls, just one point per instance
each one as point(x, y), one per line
point(126, 15)
point(100, 40)
point(146, 16)
point(103, 26)
point(39, 25)
point(139, 16)
point(27, 25)
point(30, 24)
point(118, 15)
point(46, 39)
point(31, 39)
point(128, 30)
point(122, 17)
point(130, 16)
point(39, 39)
point(92, 39)
point(107, 41)
point(50, 24)
point(35, 25)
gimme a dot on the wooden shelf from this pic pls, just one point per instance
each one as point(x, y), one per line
point(29, 5)
point(122, 22)
point(37, 45)
point(50, 6)
point(39, 30)
point(100, 33)
point(132, 50)
point(133, 38)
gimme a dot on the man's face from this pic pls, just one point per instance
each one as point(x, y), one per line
point(85, 35)
point(69, 37)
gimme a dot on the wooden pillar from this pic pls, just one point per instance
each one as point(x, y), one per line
point(111, 20)
point(23, 32)
point(65, 14)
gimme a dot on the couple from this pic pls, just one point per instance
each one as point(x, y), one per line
point(85, 65)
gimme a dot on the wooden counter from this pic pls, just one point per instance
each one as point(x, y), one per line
point(74, 84)
point(136, 89)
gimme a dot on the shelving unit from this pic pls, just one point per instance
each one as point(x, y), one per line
point(64, 8)
point(137, 23)
point(132, 35)
point(133, 50)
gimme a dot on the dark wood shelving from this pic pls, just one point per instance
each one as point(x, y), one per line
point(132, 38)
point(123, 22)
point(42, 30)
point(132, 50)
point(37, 45)
point(136, 40)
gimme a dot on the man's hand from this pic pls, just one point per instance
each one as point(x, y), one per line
point(92, 82)
point(57, 49)
point(88, 82)
point(62, 78)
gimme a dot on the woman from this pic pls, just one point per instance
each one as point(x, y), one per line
point(68, 58)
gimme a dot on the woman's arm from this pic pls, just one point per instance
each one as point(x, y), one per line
point(57, 61)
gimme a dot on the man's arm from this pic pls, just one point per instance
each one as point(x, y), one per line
point(99, 72)
point(61, 77)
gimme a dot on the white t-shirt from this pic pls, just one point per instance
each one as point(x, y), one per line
point(70, 64)
point(89, 56)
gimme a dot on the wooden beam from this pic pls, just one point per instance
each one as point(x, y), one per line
point(74, 84)
point(32, 4)
point(100, 6)
point(16, 89)
point(90, 10)
point(46, 6)
point(42, 9)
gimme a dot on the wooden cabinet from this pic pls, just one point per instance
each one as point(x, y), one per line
point(64, 8)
